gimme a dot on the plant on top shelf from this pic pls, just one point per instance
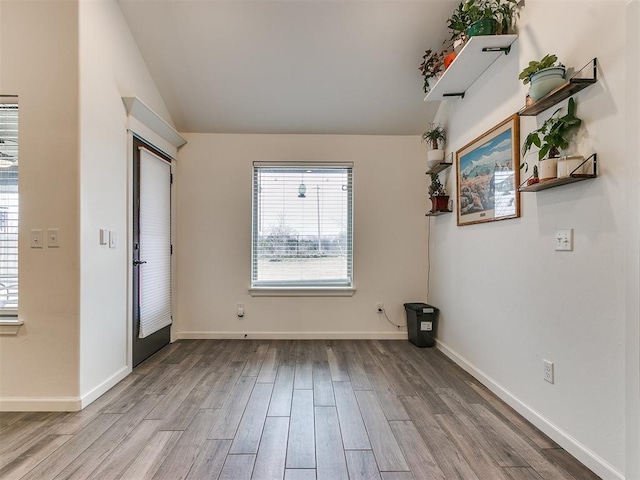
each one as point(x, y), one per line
point(482, 17)
point(552, 136)
point(431, 67)
point(458, 22)
point(507, 12)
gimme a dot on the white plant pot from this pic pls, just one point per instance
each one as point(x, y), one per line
point(545, 80)
point(567, 165)
point(548, 168)
point(434, 157)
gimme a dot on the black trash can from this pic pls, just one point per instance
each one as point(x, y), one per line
point(422, 324)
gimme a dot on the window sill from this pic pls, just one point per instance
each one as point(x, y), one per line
point(10, 326)
point(302, 292)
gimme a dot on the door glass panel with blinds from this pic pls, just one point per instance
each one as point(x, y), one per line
point(302, 225)
point(155, 243)
point(9, 205)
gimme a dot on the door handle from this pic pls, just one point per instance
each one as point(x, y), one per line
point(137, 262)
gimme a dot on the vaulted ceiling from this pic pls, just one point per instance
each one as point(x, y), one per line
point(295, 66)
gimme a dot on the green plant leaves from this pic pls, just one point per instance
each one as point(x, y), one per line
point(534, 66)
point(553, 134)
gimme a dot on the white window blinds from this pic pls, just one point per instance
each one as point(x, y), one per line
point(8, 205)
point(155, 243)
point(302, 225)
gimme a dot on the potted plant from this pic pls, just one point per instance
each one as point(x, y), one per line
point(432, 66)
point(543, 76)
point(482, 17)
point(550, 138)
point(507, 12)
point(438, 195)
point(534, 178)
point(434, 138)
point(458, 23)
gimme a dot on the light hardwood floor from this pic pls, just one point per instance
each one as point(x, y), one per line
point(292, 410)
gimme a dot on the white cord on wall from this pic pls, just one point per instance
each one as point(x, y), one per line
point(384, 312)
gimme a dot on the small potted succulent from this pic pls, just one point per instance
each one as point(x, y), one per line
point(438, 195)
point(534, 178)
point(550, 138)
point(543, 76)
point(434, 138)
point(431, 67)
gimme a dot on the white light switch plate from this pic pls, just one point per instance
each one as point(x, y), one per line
point(53, 237)
point(36, 238)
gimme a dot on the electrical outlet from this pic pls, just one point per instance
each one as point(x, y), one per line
point(548, 370)
point(380, 307)
point(564, 240)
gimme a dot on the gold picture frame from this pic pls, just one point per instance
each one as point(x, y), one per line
point(488, 175)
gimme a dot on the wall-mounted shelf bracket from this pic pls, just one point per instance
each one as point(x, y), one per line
point(437, 213)
point(505, 50)
point(571, 178)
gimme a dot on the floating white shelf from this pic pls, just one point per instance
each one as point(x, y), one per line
point(473, 60)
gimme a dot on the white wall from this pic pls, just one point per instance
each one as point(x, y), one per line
point(70, 63)
point(110, 67)
point(39, 58)
point(632, 360)
point(213, 244)
point(508, 299)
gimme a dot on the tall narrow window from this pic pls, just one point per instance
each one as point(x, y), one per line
point(302, 225)
point(8, 205)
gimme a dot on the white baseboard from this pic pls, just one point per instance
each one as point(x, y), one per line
point(61, 404)
point(28, 404)
point(105, 386)
point(402, 335)
point(562, 438)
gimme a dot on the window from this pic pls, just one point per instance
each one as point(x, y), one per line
point(8, 205)
point(302, 226)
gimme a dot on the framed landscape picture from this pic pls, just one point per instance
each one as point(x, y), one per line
point(488, 175)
